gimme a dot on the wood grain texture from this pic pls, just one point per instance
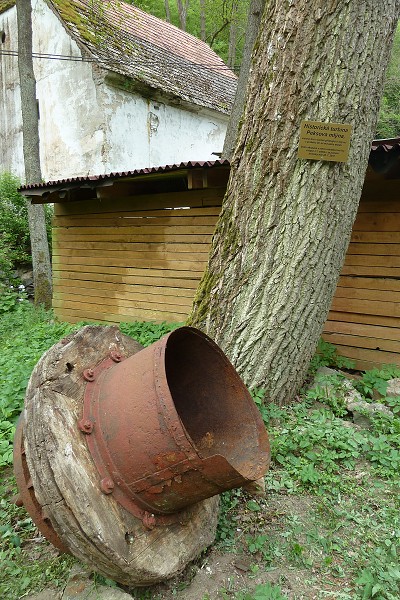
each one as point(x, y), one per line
point(364, 322)
point(131, 258)
point(349, 317)
point(66, 481)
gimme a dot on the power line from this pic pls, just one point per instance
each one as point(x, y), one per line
point(72, 58)
point(50, 56)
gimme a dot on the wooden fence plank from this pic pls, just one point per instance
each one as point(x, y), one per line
point(367, 307)
point(377, 222)
point(90, 248)
point(69, 236)
point(121, 298)
point(372, 260)
point(377, 357)
point(376, 237)
point(370, 283)
point(348, 317)
point(121, 307)
point(358, 329)
point(126, 270)
point(102, 288)
point(159, 229)
point(369, 271)
point(162, 263)
point(145, 279)
point(363, 294)
point(340, 339)
point(83, 220)
point(374, 249)
point(117, 315)
point(135, 222)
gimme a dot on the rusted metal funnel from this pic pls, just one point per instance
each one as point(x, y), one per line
point(120, 449)
point(172, 425)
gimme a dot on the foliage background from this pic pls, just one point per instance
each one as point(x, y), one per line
point(15, 248)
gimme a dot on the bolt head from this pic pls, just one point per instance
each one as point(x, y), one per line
point(116, 356)
point(88, 374)
point(107, 485)
point(149, 520)
point(85, 425)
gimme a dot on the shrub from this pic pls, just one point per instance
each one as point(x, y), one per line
point(14, 227)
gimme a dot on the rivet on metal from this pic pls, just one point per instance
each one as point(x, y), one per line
point(116, 356)
point(88, 374)
point(85, 425)
point(149, 520)
point(107, 485)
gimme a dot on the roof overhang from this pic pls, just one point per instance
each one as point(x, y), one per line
point(178, 177)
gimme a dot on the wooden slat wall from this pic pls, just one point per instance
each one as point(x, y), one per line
point(126, 259)
point(364, 321)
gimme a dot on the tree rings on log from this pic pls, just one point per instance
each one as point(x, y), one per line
point(91, 524)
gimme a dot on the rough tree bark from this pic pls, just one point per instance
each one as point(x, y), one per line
point(183, 6)
point(253, 24)
point(286, 223)
point(167, 11)
point(203, 20)
point(233, 35)
point(30, 128)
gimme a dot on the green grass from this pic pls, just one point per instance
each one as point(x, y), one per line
point(332, 507)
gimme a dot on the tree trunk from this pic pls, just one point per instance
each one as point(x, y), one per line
point(253, 24)
point(167, 11)
point(30, 126)
point(232, 37)
point(203, 20)
point(286, 223)
point(183, 6)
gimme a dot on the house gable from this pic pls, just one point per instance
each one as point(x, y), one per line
point(153, 54)
point(94, 119)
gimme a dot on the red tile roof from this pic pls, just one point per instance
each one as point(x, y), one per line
point(149, 51)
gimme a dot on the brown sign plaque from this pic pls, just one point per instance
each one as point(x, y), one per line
point(324, 141)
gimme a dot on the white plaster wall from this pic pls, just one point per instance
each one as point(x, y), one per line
point(11, 153)
point(71, 121)
point(144, 133)
point(86, 126)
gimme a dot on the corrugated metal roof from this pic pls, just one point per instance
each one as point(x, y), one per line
point(154, 53)
point(386, 145)
point(119, 175)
